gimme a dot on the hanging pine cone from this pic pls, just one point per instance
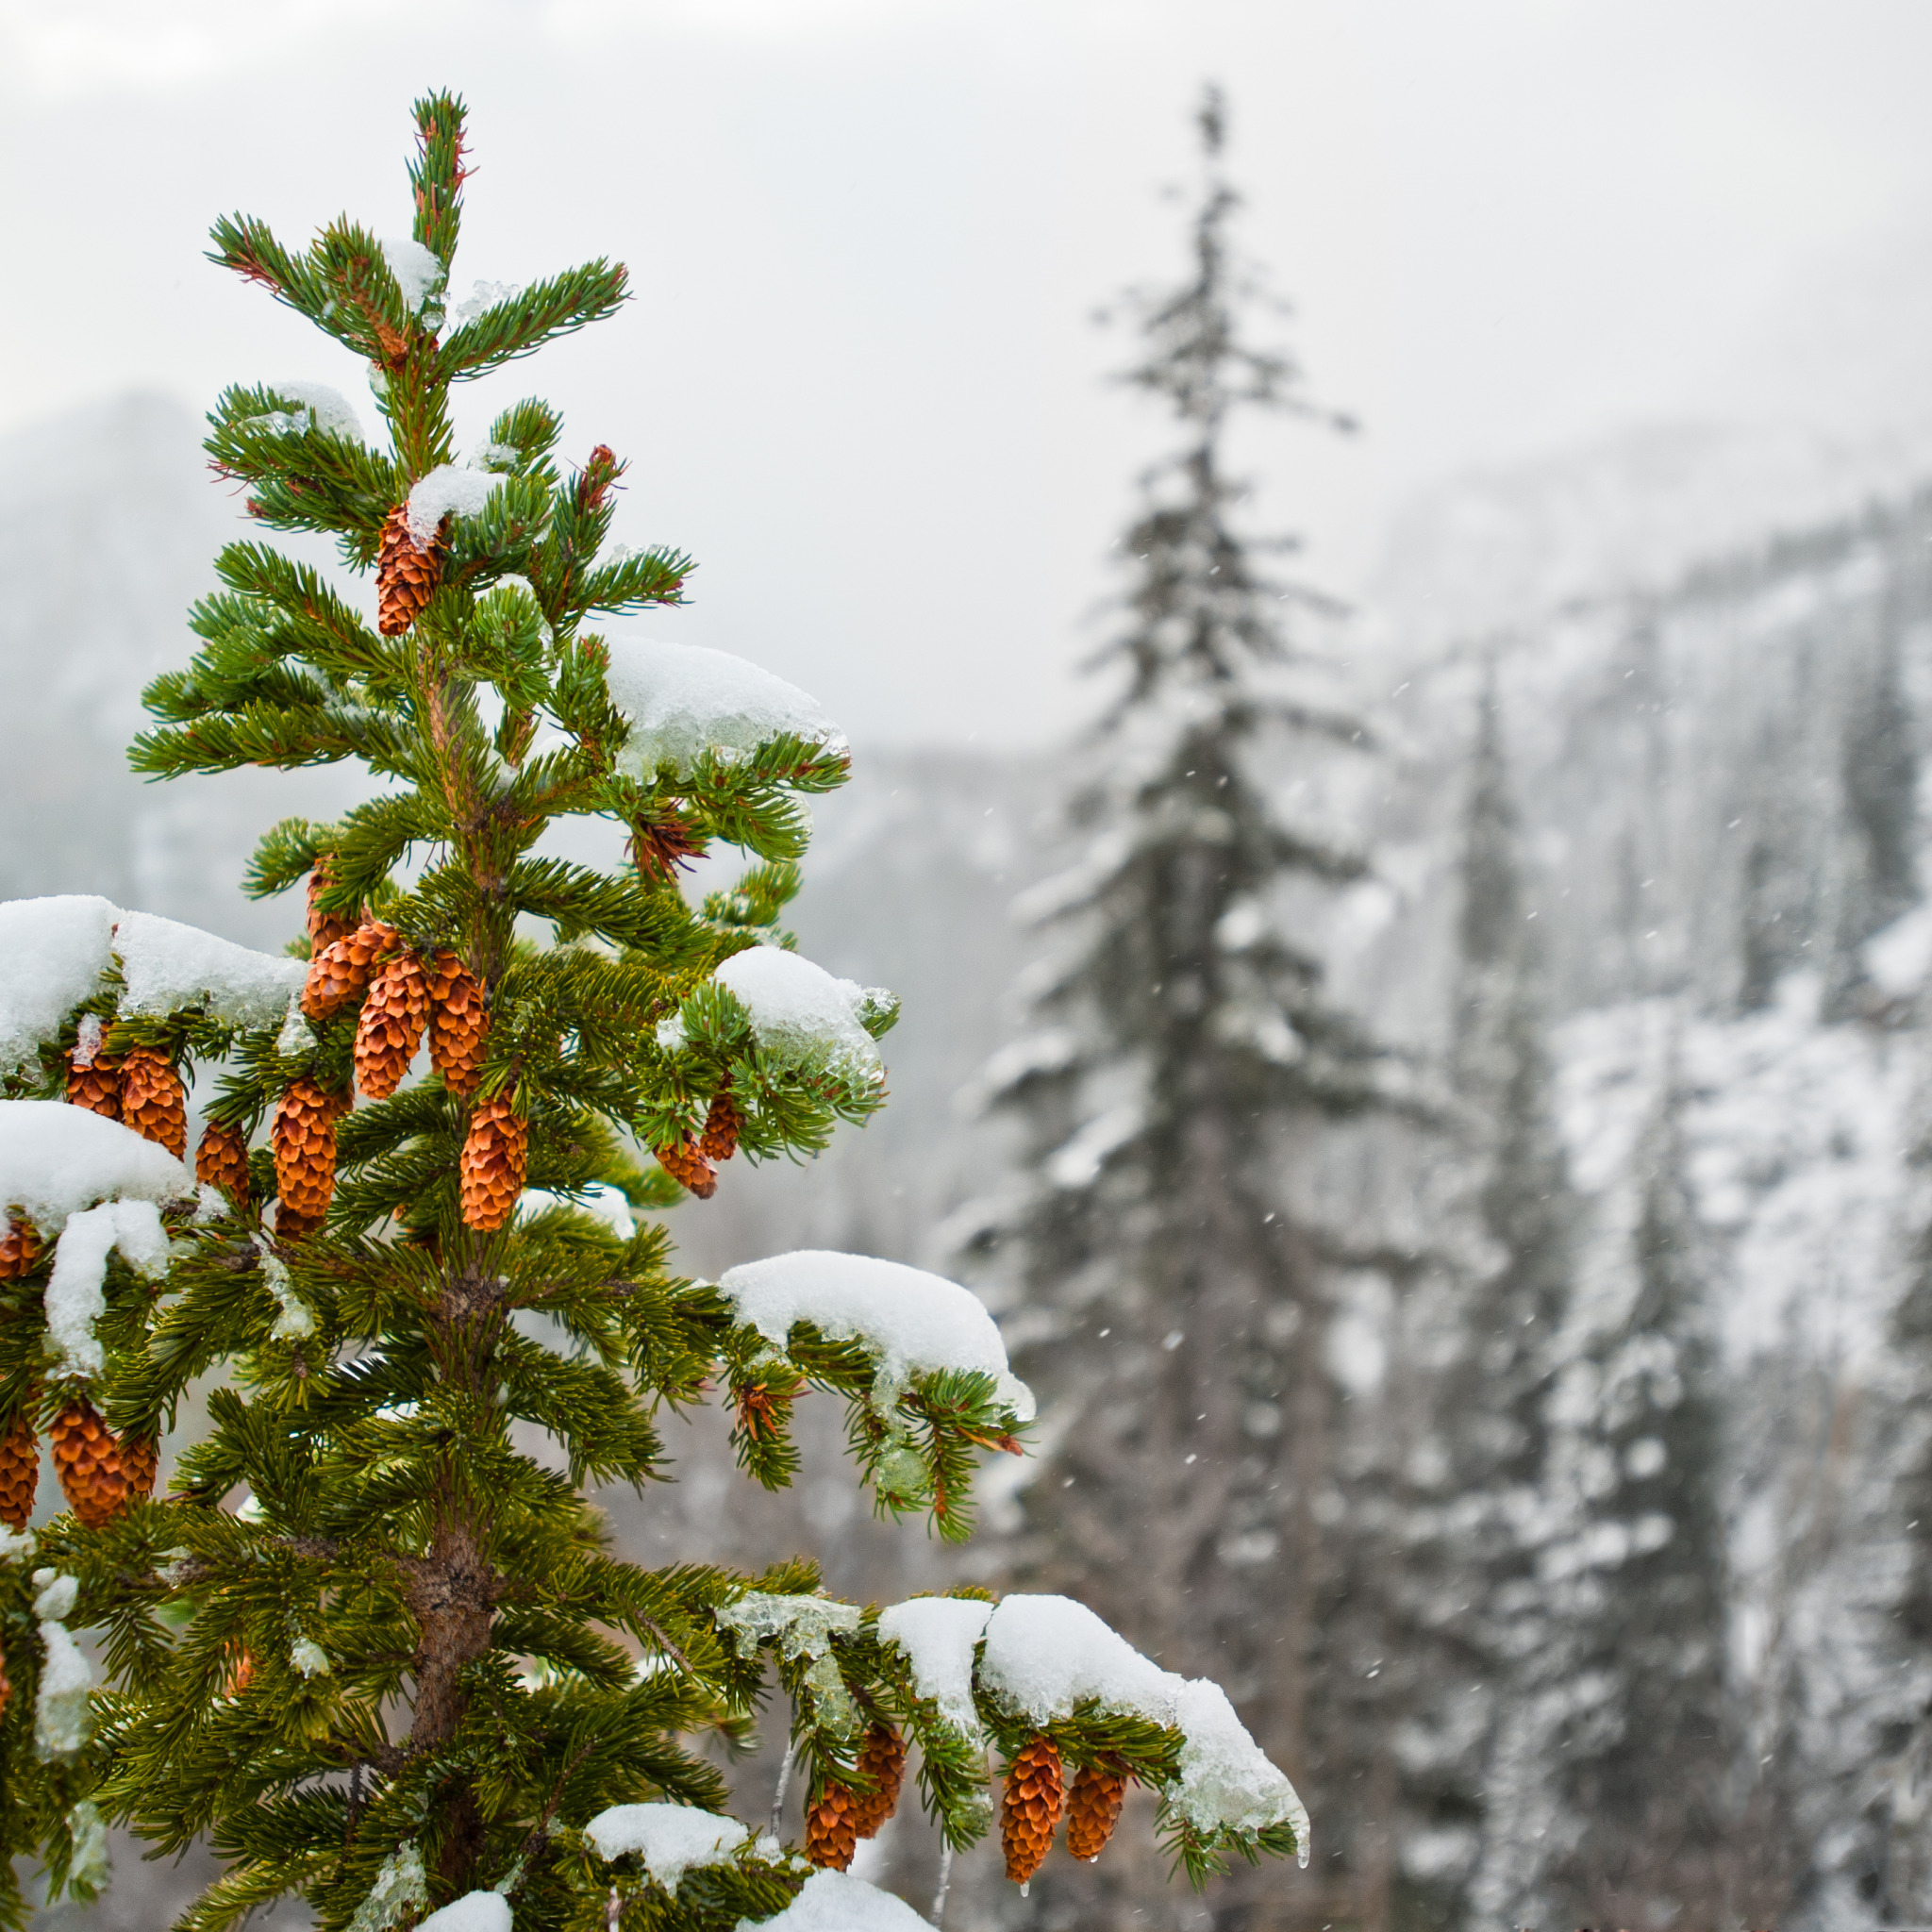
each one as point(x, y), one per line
point(682, 1162)
point(722, 1124)
point(94, 1081)
point(457, 1023)
point(88, 1460)
point(1093, 1808)
point(303, 1134)
point(345, 966)
point(324, 928)
point(221, 1162)
point(831, 1834)
point(1031, 1807)
point(140, 1462)
point(883, 1760)
point(153, 1100)
point(20, 1248)
point(19, 1470)
point(390, 1028)
point(406, 575)
point(496, 1155)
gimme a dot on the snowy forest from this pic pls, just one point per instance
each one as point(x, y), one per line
point(1435, 1094)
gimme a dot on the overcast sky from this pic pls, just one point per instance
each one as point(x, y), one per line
point(860, 382)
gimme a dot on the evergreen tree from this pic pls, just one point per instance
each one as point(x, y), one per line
point(1479, 1507)
point(369, 1645)
point(1177, 1087)
point(1645, 1754)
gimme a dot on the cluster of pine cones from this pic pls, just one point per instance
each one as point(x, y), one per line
point(100, 1472)
point(1037, 1795)
point(1036, 1798)
point(693, 1163)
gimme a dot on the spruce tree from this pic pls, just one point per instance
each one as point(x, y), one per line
point(1183, 1061)
point(371, 1644)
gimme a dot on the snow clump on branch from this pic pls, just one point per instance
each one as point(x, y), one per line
point(837, 1901)
point(667, 1839)
point(684, 701)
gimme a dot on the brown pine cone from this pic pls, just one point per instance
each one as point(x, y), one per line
point(457, 1023)
point(88, 1460)
point(19, 1470)
point(153, 1100)
point(830, 1835)
point(303, 1134)
point(95, 1084)
point(221, 1162)
point(496, 1155)
point(405, 577)
point(682, 1162)
point(1093, 1808)
point(722, 1122)
point(345, 966)
point(324, 928)
point(1031, 1807)
point(390, 1028)
point(20, 1248)
point(140, 1462)
point(882, 1760)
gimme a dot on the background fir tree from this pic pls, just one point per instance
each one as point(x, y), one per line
point(369, 1645)
point(1161, 1264)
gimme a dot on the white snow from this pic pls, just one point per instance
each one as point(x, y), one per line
point(75, 1294)
point(1900, 959)
point(1046, 1654)
point(798, 1011)
point(415, 268)
point(295, 1322)
point(15, 1545)
point(55, 1160)
point(602, 1203)
point(484, 295)
point(322, 407)
point(56, 1595)
point(911, 1321)
point(52, 954)
point(1226, 1783)
point(837, 1901)
point(446, 490)
point(168, 966)
point(937, 1636)
point(683, 700)
point(475, 1911)
point(61, 1710)
point(671, 1839)
point(308, 1659)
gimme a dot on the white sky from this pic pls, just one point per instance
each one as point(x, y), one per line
point(860, 381)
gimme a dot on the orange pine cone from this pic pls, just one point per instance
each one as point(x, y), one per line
point(95, 1084)
point(722, 1122)
point(390, 1028)
point(241, 1672)
point(831, 1834)
point(682, 1162)
point(88, 1460)
point(883, 1760)
point(1031, 1807)
point(457, 1023)
point(140, 1462)
point(345, 966)
point(303, 1134)
point(20, 1248)
point(496, 1155)
point(406, 576)
point(19, 1470)
point(153, 1100)
point(221, 1162)
point(324, 928)
point(1093, 1808)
